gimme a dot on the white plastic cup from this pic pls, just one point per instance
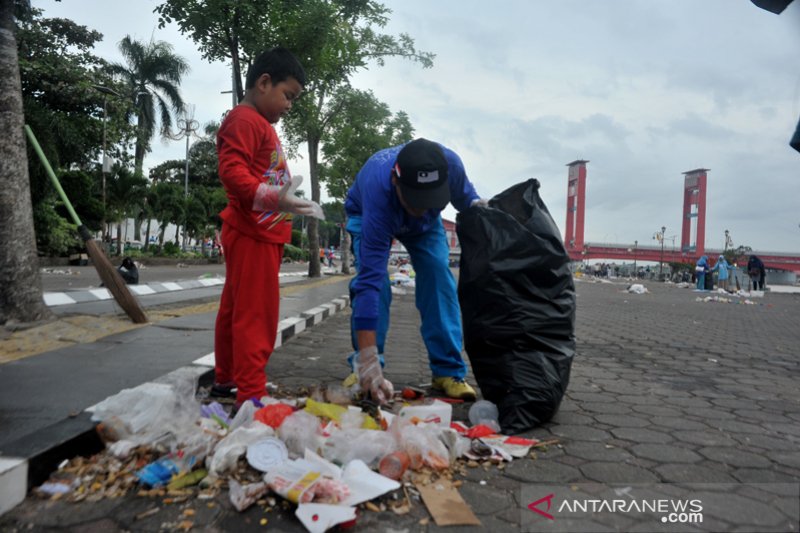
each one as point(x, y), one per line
point(486, 413)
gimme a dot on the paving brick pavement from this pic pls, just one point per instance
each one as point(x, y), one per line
point(667, 395)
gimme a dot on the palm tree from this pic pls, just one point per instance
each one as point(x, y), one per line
point(125, 196)
point(20, 280)
point(153, 74)
point(168, 204)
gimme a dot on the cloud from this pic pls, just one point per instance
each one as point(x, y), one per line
point(643, 90)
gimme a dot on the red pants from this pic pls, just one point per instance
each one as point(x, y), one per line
point(247, 322)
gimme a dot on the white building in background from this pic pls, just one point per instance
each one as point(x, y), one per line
point(127, 232)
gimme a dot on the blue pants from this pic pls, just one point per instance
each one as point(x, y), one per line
point(701, 281)
point(436, 299)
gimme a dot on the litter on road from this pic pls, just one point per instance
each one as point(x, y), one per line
point(325, 459)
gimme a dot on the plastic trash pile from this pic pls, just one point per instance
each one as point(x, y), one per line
point(404, 277)
point(723, 300)
point(637, 288)
point(319, 453)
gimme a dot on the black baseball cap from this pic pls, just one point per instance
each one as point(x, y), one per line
point(421, 170)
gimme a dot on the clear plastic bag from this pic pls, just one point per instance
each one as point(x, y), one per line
point(299, 431)
point(365, 444)
point(229, 449)
point(422, 444)
point(163, 413)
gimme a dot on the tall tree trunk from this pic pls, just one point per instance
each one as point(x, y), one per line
point(137, 226)
point(119, 238)
point(141, 144)
point(345, 248)
point(20, 281)
point(314, 270)
point(237, 71)
point(147, 236)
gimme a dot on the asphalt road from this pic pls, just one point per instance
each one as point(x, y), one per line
point(69, 278)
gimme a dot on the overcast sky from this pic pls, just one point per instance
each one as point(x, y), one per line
point(644, 90)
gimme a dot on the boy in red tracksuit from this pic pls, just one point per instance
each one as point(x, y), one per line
point(256, 224)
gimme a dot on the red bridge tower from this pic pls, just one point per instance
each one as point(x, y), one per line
point(693, 232)
point(576, 205)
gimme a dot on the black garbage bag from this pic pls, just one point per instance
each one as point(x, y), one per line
point(517, 301)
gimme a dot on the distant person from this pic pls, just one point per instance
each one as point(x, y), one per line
point(757, 272)
point(129, 271)
point(257, 223)
point(722, 268)
point(700, 270)
point(329, 254)
point(400, 193)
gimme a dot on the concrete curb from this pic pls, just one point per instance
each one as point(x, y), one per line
point(28, 461)
point(101, 293)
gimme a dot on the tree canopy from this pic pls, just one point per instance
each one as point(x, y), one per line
point(362, 126)
point(60, 75)
point(333, 39)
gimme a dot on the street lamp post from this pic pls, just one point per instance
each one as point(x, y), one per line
point(661, 260)
point(187, 126)
point(106, 91)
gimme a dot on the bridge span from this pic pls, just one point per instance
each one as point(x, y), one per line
point(692, 234)
point(636, 252)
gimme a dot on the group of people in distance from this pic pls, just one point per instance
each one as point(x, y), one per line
point(398, 194)
point(703, 268)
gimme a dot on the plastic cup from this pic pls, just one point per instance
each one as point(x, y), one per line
point(394, 465)
point(484, 412)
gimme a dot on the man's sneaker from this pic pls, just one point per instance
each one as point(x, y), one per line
point(455, 388)
point(223, 390)
point(350, 380)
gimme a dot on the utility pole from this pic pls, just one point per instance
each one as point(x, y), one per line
point(106, 165)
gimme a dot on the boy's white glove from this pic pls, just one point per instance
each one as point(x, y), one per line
point(370, 376)
point(275, 198)
point(480, 202)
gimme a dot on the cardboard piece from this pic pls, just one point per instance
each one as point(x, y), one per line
point(320, 517)
point(446, 505)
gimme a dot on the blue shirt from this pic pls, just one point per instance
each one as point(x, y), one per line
point(374, 199)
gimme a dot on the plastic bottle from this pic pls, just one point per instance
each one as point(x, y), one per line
point(394, 465)
point(486, 413)
point(162, 470)
point(158, 472)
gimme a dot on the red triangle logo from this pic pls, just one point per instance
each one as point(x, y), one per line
point(534, 506)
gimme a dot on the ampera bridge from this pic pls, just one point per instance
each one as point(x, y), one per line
point(692, 243)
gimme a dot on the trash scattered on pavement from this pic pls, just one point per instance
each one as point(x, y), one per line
point(446, 505)
point(723, 300)
point(325, 458)
point(404, 277)
point(637, 288)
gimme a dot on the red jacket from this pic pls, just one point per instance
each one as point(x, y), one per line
point(250, 154)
